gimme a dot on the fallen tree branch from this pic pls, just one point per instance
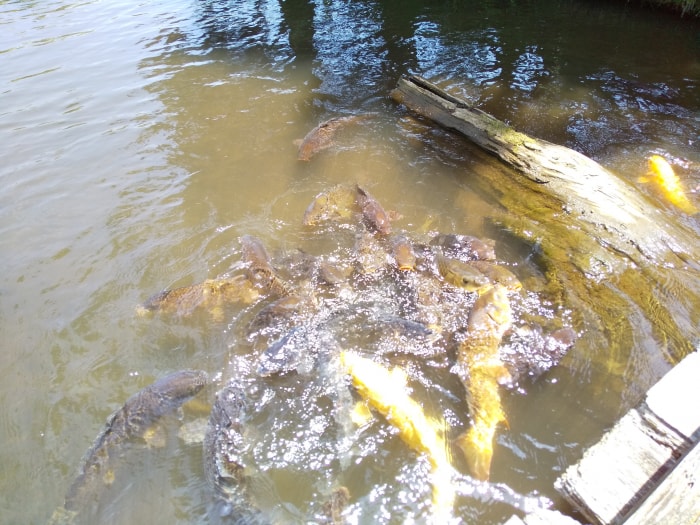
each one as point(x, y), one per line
point(603, 242)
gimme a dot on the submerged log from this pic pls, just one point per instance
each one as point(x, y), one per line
point(603, 244)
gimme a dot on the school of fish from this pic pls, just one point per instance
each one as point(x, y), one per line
point(393, 293)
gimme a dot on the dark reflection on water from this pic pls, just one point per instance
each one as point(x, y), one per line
point(198, 150)
point(527, 64)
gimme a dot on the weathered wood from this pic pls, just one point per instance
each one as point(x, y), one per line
point(616, 475)
point(542, 517)
point(677, 500)
point(674, 399)
point(602, 242)
point(589, 195)
point(612, 476)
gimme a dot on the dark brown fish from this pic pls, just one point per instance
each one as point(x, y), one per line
point(333, 509)
point(260, 271)
point(279, 311)
point(373, 214)
point(323, 136)
point(224, 468)
point(130, 422)
point(285, 354)
point(404, 255)
point(531, 352)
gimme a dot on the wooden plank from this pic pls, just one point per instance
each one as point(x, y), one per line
point(615, 476)
point(611, 476)
point(677, 499)
point(672, 398)
point(542, 517)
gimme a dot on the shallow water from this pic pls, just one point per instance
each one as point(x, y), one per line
point(140, 141)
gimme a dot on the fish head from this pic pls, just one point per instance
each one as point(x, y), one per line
point(497, 305)
point(461, 274)
point(404, 255)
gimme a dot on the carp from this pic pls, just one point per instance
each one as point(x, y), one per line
point(421, 299)
point(387, 392)
point(340, 202)
point(465, 247)
point(461, 274)
point(482, 372)
point(375, 217)
point(287, 353)
point(334, 507)
point(224, 467)
point(345, 201)
point(211, 295)
point(259, 269)
point(497, 274)
point(279, 312)
point(323, 136)
point(369, 254)
point(131, 422)
point(530, 352)
point(332, 273)
point(404, 254)
point(668, 182)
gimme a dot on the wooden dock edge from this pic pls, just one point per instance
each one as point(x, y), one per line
point(645, 469)
point(542, 517)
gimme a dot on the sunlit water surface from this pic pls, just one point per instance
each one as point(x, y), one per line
point(141, 140)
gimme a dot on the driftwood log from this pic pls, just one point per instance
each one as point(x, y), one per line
point(606, 249)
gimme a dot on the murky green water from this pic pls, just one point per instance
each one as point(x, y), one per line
point(141, 140)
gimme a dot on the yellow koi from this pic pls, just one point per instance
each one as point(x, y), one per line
point(482, 373)
point(386, 391)
point(663, 175)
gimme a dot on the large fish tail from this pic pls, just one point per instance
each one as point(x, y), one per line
point(477, 446)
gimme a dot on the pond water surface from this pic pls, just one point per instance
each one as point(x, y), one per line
point(141, 140)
